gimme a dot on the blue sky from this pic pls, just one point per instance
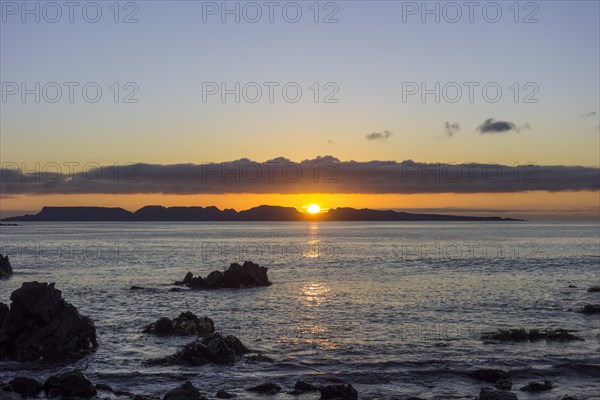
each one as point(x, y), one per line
point(367, 58)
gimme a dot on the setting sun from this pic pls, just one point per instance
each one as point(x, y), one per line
point(313, 209)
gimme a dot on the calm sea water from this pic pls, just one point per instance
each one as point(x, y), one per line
point(396, 309)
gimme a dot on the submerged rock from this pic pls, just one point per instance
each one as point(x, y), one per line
point(70, 384)
point(257, 359)
point(594, 289)
point(266, 388)
point(41, 325)
point(236, 276)
point(5, 267)
point(590, 309)
point(221, 394)
point(187, 391)
point(488, 375)
point(26, 386)
point(211, 349)
point(504, 384)
point(538, 387)
point(519, 335)
point(495, 394)
point(186, 324)
point(303, 386)
point(338, 392)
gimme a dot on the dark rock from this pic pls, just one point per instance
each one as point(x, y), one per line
point(303, 386)
point(518, 335)
point(6, 394)
point(594, 289)
point(590, 309)
point(495, 394)
point(42, 325)
point(488, 375)
point(215, 280)
point(266, 388)
point(188, 277)
point(257, 359)
point(338, 392)
point(70, 384)
point(187, 391)
point(504, 384)
point(236, 344)
point(186, 324)
point(569, 398)
point(236, 276)
point(5, 267)
point(26, 386)
point(537, 387)
point(4, 311)
point(136, 288)
point(247, 275)
point(572, 286)
point(143, 397)
point(104, 386)
point(221, 394)
point(175, 289)
point(211, 349)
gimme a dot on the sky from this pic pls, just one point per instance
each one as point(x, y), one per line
point(502, 84)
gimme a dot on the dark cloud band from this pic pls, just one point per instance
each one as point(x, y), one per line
point(320, 175)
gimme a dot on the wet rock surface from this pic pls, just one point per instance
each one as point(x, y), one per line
point(222, 394)
point(590, 309)
point(70, 384)
point(537, 386)
point(498, 377)
point(26, 386)
point(236, 276)
point(41, 325)
point(266, 388)
point(186, 324)
point(495, 394)
point(488, 375)
point(338, 392)
point(5, 267)
point(302, 387)
point(187, 391)
point(532, 335)
point(211, 349)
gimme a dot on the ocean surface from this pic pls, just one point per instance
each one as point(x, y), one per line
point(396, 309)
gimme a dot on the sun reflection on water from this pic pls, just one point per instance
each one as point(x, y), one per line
point(315, 293)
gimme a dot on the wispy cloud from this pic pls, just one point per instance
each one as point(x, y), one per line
point(590, 114)
point(451, 128)
point(491, 126)
point(381, 136)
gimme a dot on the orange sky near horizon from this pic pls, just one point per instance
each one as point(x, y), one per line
point(529, 205)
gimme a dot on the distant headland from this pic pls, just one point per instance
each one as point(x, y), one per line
point(260, 213)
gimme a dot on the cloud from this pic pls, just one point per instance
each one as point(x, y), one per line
point(451, 128)
point(491, 126)
point(320, 175)
point(381, 136)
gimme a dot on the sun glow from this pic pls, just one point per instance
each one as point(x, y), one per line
point(313, 209)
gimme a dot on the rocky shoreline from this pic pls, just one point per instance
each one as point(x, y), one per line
point(40, 327)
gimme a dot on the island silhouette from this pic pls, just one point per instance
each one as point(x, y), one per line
point(212, 213)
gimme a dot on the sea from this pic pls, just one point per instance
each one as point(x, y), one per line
point(397, 309)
